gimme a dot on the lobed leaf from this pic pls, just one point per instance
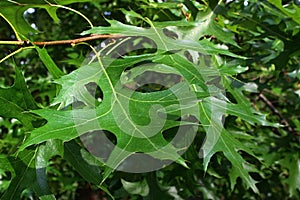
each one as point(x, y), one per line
point(292, 163)
point(16, 101)
point(138, 120)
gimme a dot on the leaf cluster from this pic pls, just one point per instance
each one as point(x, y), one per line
point(192, 100)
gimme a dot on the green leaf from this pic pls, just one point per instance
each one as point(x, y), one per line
point(29, 171)
point(295, 74)
point(207, 25)
point(15, 101)
point(156, 191)
point(293, 13)
point(66, 2)
point(44, 154)
point(5, 164)
point(139, 188)
point(113, 115)
point(162, 40)
point(218, 139)
point(13, 12)
point(248, 114)
point(49, 63)
point(85, 164)
point(204, 25)
point(292, 163)
point(52, 12)
point(25, 175)
point(243, 108)
point(139, 120)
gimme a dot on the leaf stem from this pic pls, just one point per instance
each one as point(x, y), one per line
point(20, 42)
point(73, 10)
point(13, 28)
point(15, 52)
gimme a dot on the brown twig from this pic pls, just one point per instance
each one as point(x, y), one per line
point(60, 42)
point(275, 110)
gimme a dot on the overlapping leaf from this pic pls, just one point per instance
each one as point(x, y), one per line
point(23, 172)
point(13, 12)
point(109, 113)
point(219, 140)
point(139, 119)
point(28, 170)
point(292, 12)
point(163, 41)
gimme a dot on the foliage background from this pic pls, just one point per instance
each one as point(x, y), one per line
point(266, 32)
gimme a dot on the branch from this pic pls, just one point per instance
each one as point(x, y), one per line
point(60, 42)
point(275, 110)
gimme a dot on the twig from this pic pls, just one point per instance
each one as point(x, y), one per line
point(25, 44)
point(274, 109)
point(59, 42)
